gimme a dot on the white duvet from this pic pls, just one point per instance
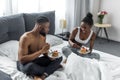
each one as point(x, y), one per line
point(76, 68)
point(79, 68)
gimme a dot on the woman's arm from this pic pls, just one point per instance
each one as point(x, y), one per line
point(92, 41)
point(72, 38)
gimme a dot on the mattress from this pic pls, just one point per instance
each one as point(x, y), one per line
point(108, 65)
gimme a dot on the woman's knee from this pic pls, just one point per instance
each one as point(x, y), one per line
point(66, 51)
point(97, 56)
point(94, 55)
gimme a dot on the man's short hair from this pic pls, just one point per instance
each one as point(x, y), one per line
point(42, 19)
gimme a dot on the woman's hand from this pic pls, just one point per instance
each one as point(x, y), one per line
point(75, 46)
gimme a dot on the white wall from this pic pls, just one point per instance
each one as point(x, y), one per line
point(113, 17)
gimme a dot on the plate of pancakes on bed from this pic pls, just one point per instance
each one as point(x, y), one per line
point(84, 50)
point(54, 54)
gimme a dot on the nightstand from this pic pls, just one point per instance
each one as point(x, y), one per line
point(102, 26)
point(64, 35)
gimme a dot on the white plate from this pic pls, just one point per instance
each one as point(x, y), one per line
point(50, 55)
point(88, 51)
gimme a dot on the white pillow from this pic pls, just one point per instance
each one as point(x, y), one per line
point(53, 40)
point(10, 49)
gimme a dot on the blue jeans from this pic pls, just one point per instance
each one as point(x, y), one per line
point(40, 66)
point(67, 50)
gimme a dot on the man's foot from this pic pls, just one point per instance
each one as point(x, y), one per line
point(37, 78)
point(65, 61)
point(43, 77)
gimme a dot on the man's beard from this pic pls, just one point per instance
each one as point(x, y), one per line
point(42, 32)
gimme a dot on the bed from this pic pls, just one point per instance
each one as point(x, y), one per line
point(76, 68)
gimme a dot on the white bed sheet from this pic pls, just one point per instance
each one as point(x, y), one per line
point(109, 64)
point(112, 63)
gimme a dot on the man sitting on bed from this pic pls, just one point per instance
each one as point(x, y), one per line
point(32, 44)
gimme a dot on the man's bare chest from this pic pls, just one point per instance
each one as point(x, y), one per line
point(36, 45)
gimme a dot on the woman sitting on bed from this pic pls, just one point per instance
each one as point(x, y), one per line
point(81, 35)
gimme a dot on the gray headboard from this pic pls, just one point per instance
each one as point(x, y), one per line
point(12, 27)
point(30, 20)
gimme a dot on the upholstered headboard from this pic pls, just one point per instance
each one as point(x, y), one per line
point(30, 20)
point(12, 27)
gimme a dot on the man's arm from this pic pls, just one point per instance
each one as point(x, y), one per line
point(23, 51)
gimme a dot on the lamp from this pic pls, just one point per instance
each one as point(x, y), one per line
point(62, 25)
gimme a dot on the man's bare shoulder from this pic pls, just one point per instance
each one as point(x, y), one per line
point(26, 37)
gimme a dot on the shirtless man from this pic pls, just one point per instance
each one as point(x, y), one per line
point(32, 44)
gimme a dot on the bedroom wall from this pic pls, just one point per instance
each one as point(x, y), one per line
point(113, 17)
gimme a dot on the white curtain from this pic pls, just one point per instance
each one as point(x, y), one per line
point(9, 7)
point(77, 10)
point(58, 6)
point(2, 3)
point(1, 8)
point(72, 10)
point(94, 8)
point(70, 5)
point(81, 9)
